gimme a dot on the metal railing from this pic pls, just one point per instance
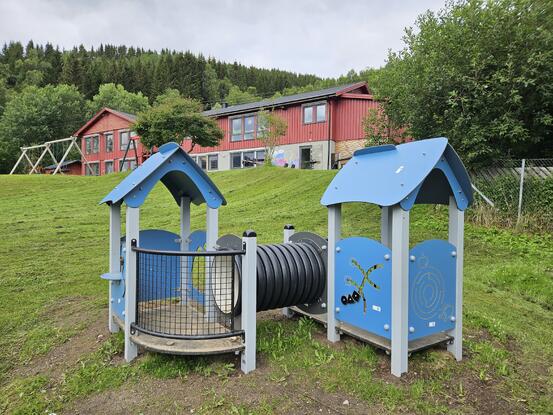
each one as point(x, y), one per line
point(186, 295)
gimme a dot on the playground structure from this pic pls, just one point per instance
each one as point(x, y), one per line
point(47, 149)
point(195, 293)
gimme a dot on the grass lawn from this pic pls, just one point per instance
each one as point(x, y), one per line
point(57, 357)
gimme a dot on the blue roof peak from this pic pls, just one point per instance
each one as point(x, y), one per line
point(424, 171)
point(177, 171)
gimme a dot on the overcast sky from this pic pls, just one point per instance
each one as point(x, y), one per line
point(324, 37)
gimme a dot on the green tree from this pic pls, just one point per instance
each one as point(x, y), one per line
point(480, 73)
point(379, 129)
point(237, 96)
point(176, 119)
point(37, 115)
point(116, 97)
point(271, 128)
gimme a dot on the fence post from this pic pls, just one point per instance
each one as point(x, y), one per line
point(249, 300)
point(114, 257)
point(334, 232)
point(521, 190)
point(132, 234)
point(288, 232)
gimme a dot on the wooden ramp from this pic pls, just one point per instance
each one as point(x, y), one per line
point(378, 341)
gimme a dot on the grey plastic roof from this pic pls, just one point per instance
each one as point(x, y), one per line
point(425, 171)
point(289, 99)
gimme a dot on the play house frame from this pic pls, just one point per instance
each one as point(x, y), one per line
point(395, 178)
point(166, 261)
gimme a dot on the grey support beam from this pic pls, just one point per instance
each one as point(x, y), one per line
point(456, 238)
point(334, 231)
point(287, 234)
point(400, 290)
point(249, 300)
point(132, 232)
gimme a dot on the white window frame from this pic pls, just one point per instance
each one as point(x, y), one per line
point(92, 164)
point(106, 141)
point(112, 166)
point(127, 160)
point(209, 163)
point(313, 106)
point(121, 148)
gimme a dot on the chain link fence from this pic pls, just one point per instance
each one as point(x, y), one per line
point(514, 193)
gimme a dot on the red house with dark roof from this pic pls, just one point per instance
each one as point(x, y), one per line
point(324, 127)
point(104, 140)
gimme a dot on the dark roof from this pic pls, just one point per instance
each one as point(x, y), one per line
point(64, 164)
point(287, 100)
point(130, 117)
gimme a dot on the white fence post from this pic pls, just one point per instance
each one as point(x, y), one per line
point(400, 290)
point(132, 232)
point(114, 257)
point(212, 232)
point(249, 300)
point(334, 230)
point(287, 234)
point(521, 190)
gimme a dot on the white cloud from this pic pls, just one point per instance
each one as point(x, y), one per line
point(325, 37)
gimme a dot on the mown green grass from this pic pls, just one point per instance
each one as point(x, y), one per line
point(54, 247)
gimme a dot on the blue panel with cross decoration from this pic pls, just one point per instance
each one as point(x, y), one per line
point(363, 285)
point(432, 275)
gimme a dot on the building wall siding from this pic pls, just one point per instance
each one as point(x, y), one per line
point(109, 123)
point(349, 115)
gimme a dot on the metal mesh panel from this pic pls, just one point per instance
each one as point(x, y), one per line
point(515, 192)
point(186, 295)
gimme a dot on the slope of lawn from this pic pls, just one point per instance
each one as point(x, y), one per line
point(54, 247)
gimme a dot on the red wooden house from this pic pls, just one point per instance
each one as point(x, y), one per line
point(323, 127)
point(104, 140)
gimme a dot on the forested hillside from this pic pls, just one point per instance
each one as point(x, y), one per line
point(150, 72)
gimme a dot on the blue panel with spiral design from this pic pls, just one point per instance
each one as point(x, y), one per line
point(432, 278)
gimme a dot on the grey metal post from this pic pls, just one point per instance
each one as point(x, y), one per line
point(334, 230)
point(400, 290)
point(132, 232)
point(184, 223)
point(212, 231)
point(386, 226)
point(185, 283)
point(287, 233)
point(114, 255)
point(249, 300)
point(456, 238)
point(521, 189)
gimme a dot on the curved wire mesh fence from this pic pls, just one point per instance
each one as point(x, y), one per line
point(186, 295)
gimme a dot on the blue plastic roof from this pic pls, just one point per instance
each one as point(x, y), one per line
point(424, 171)
point(177, 171)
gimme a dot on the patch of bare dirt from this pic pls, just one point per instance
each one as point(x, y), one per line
point(66, 355)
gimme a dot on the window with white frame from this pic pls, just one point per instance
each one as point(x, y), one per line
point(130, 164)
point(202, 162)
point(236, 129)
point(108, 167)
point(249, 127)
point(245, 159)
point(109, 142)
point(213, 161)
point(314, 113)
point(123, 140)
point(95, 144)
point(95, 167)
point(87, 146)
